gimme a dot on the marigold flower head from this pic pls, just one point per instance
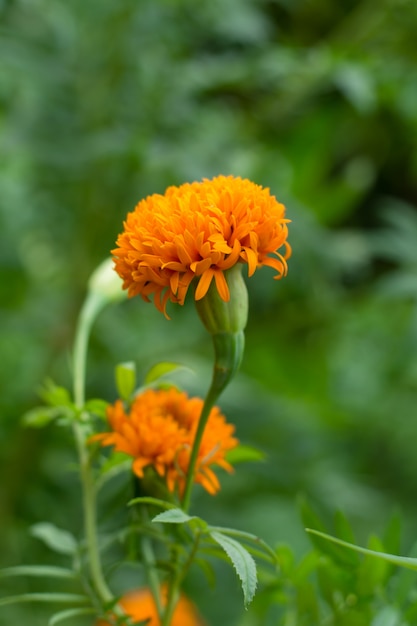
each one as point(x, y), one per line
point(140, 606)
point(158, 430)
point(197, 231)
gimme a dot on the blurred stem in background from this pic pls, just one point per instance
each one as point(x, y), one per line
point(104, 286)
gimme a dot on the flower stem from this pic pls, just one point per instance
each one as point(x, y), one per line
point(228, 348)
point(211, 398)
point(91, 308)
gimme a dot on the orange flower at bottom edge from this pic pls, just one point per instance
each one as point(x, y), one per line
point(140, 606)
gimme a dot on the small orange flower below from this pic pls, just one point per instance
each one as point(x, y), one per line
point(140, 606)
point(158, 431)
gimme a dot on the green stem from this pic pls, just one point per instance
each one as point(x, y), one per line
point(92, 306)
point(228, 348)
point(150, 565)
point(211, 398)
point(173, 594)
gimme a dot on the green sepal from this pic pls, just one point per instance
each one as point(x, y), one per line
point(219, 316)
point(228, 354)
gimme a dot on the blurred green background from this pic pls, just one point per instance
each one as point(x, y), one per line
point(102, 103)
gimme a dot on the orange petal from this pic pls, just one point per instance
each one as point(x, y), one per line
point(204, 284)
point(222, 286)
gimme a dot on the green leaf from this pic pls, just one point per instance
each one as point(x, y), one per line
point(388, 616)
point(97, 407)
point(344, 530)
point(59, 598)
point(242, 561)
point(126, 379)
point(55, 538)
point(162, 504)
point(54, 395)
point(241, 534)
point(38, 570)
point(372, 572)
point(161, 369)
point(173, 516)
point(244, 454)
point(401, 561)
point(42, 415)
point(117, 463)
point(68, 614)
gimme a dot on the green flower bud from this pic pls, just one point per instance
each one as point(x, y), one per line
point(225, 317)
point(226, 322)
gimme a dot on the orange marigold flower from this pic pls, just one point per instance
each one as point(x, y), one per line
point(198, 231)
point(158, 430)
point(140, 606)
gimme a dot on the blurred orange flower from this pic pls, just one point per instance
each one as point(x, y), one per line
point(198, 231)
point(140, 606)
point(158, 430)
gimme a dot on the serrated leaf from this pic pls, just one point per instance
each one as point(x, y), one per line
point(59, 598)
point(242, 561)
point(126, 379)
point(59, 540)
point(54, 395)
point(161, 369)
point(244, 454)
point(173, 516)
point(241, 534)
point(97, 407)
point(38, 570)
point(62, 616)
point(401, 561)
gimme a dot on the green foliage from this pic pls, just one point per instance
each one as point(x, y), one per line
point(316, 100)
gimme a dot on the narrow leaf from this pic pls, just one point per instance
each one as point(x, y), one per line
point(402, 561)
point(242, 562)
point(68, 614)
point(40, 416)
point(55, 538)
point(173, 516)
point(244, 454)
point(67, 598)
point(126, 379)
point(161, 369)
point(162, 504)
point(38, 570)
